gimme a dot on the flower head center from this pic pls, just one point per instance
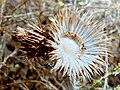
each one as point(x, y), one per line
point(69, 46)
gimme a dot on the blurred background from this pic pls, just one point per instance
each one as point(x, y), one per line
point(18, 72)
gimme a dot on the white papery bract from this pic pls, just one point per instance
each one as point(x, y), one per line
point(79, 43)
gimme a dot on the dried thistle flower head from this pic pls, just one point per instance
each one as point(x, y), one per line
point(33, 39)
point(79, 43)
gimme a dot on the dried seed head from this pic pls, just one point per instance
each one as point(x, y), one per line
point(33, 40)
point(79, 43)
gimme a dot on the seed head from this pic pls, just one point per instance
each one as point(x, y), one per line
point(79, 44)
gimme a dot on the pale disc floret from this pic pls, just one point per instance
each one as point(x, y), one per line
point(79, 43)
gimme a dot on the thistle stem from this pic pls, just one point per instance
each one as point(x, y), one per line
point(106, 58)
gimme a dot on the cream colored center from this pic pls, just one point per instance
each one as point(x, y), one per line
point(69, 46)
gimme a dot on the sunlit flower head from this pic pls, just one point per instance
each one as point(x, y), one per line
point(79, 44)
